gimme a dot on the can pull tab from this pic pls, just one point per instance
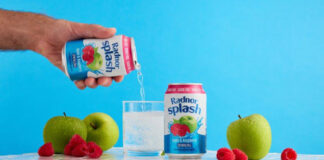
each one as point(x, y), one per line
point(137, 65)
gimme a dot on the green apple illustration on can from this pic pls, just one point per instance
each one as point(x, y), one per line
point(92, 57)
point(96, 63)
point(190, 122)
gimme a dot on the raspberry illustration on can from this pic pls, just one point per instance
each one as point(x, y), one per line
point(185, 121)
point(99, 57)
point(179, 129)
point(88, 54)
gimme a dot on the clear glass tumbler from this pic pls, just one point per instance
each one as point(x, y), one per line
point(143, 128)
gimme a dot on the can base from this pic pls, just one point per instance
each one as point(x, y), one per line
point(184, 156)
point(142, 153)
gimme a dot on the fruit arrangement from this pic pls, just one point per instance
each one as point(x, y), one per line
point(186, 124)
point(250, 138)
point(75, 137)
point(92, 57)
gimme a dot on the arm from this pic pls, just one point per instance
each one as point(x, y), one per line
point(21, 30)
point(47, 36)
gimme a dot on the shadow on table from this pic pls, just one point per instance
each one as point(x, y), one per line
point(105, 156)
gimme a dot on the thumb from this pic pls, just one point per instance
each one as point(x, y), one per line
point(81, 30)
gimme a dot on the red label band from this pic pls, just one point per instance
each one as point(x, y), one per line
point(185, 89)
point(127, 53)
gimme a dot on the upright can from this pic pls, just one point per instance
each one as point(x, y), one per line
point(99, 57)
point(185, 120)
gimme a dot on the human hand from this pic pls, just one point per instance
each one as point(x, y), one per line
point(58, 32)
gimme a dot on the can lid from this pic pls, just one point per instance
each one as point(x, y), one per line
point(134, 55)
point(64, 61)
point(186, 88)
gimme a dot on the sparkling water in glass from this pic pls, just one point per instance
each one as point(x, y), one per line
point(143, 128)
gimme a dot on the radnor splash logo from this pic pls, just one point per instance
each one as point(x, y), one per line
point(110, 52)
point(184, 105)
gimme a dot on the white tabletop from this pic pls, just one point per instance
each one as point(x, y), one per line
point(117, 154)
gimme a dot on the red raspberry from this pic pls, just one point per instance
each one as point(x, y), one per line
point(225, 154)
point(179, 129)
point(239, 155)
point(68, 149)
point(80, 150)
point(46, 150)
point(288, 154)
point(94, 150)
point(74, 141)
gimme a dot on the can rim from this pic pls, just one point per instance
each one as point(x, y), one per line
point(64, 61)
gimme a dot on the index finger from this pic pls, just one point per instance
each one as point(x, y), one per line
point(82, 30)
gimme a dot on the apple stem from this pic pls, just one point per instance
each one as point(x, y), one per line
point(93, 125)
point(239, 116)
point(64, 114)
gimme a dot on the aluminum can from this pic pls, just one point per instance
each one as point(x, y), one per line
point(185, 121)
point(99, 57)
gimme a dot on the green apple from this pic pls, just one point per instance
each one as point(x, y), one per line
point(251, 134)
point(102, 130)
point(96, 63)
point(190, 122)
point(60, 129)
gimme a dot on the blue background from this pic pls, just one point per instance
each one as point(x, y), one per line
point(252, 57)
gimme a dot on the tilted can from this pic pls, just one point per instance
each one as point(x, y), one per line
point(99, 57)
point(185, 120)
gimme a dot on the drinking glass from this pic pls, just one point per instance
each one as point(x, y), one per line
point(143, 129)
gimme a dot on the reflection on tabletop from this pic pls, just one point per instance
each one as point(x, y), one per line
point(117, 154)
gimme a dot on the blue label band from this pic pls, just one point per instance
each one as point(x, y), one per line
point(194, 144)
point(76, 67)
